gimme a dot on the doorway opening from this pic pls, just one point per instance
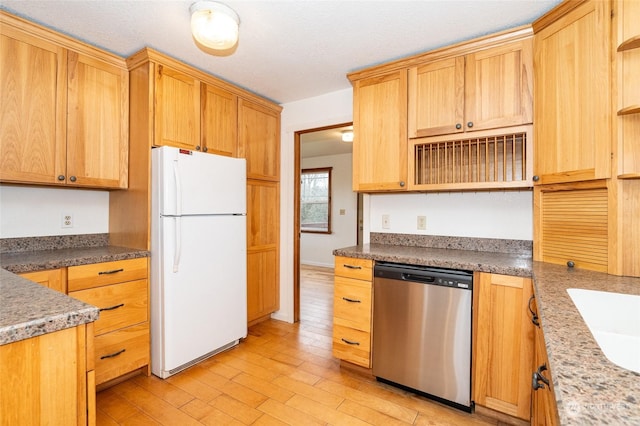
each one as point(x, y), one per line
point(317, 148)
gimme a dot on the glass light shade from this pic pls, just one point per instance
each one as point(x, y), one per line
point(214, 25)
point(347, 136)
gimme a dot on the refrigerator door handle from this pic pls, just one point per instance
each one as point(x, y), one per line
point(176, 175)
point(178, 247)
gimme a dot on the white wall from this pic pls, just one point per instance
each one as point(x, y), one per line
point(505, 215)
point(27, 211)
point(316, 249)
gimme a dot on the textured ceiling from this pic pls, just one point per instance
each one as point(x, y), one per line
point(288, 50)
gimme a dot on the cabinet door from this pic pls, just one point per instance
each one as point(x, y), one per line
point(504, 344)
point(263, 235)
point(97, 126)
point(219, 121)
point(380, 133)
point(498, 87)
point(544, 410)
point(177, 109)
point(572, 111)
point(55, 279)
point(436, 98)
point(32, 108)
point(259, 140)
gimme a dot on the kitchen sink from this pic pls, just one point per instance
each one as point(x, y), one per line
point(614, 321)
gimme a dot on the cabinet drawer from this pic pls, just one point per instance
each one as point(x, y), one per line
point(121, 352)
point(359, 269)
point(352, 303)
point(121, 305)
point(99, 274)
point(352, 345)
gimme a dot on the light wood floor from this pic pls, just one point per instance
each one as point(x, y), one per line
point(281, 374)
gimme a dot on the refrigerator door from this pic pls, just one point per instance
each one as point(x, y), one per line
point(200, 305)
point(192, 182)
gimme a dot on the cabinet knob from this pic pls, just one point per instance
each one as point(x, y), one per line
point(470, 124)
point(401, 184)
point(205, 149)
point(73, 179)
point(61, 177)
point(198, 148)
point(458, 126)
point(536, 178)
point(571, 264)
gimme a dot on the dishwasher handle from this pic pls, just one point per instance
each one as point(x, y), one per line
point(429, 279)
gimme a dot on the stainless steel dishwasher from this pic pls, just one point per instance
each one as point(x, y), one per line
point(422, 331)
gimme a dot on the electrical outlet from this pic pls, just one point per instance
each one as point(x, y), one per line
point(386, 221)
point(422, 223)
point(67, 220)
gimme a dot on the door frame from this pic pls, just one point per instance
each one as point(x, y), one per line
point(296, 212)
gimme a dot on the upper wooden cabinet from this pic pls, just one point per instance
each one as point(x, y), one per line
point(64, 110)
point(380, 133)
point(572, 75)
point(177, 108)
point(219, 121)
point(486, 89)
point(259, 140)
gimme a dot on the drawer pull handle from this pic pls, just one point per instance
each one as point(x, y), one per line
point(351, 300)
point(349, 342)
point(111, 308)
point(534, 316)
point(113, 271)
point(352, 266)
point(113, 354)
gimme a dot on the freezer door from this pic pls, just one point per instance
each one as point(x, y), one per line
point(198, 288)
point(191, 182)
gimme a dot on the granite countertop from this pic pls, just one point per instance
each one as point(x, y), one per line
point(28, 309)
point(589, 389)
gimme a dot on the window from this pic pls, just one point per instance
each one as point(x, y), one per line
point(315, 200)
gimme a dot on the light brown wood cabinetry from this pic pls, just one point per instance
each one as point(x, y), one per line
point(487, 89)
point(263, 249)
point(504, 344)
point(352, 310)
point(64, 110)
point(456, 118)
point(544, 410)
point(120, 290)
point(177, 108)
point(259, 140)
point(55, 279)
point(48, 379)
point(219, 122)
point(380, 132)
point(572, 73)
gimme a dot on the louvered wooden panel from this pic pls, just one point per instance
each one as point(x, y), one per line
point(574, 227)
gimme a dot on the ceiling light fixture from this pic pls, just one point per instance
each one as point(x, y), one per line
point(347, 136)
point(214, 24)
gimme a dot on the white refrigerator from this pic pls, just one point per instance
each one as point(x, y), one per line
point(198, 257)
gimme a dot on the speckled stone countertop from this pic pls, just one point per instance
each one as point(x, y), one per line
point(499, 263)
point(589, 389)
point(28, 261)
point(28, 309)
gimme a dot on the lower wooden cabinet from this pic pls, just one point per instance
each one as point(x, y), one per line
point(504, 344)
point(120, 290)
point(544, 410)
point(352, 310)
point(55, 279)
point(48, 379)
